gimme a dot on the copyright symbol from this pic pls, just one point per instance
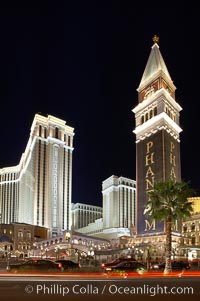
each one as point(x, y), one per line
point(29, 289)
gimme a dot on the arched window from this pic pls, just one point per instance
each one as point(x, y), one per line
point(193, 240)
point(40, 130)
point(45, 132)
point(20, 234)
point(193, 227)
point(184, 228)
point(56, 133)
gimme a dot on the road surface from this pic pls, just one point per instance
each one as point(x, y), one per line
point(99, 287)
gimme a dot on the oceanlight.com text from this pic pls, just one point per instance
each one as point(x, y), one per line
point(107, 289)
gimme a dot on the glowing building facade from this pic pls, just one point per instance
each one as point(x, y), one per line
point(38, 190)
point(119, 202)
point(195, 204)
point(119, 210)
point(83, 215)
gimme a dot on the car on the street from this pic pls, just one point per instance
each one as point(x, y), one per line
point(35, 265)
point(127, 266)
point(115, 262)
point(68, 264)
point(176, 265)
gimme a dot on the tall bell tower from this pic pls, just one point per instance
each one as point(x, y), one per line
point(157, 133)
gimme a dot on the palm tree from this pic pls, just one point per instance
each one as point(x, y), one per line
point(168, 202)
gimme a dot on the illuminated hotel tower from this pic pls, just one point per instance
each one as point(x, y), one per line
point(119, 198)
point(157, 134)
point(38, 190)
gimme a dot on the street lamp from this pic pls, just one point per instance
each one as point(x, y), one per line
point(41, 249)
point(34, 248)
point(8, 258)
point(77, 254)
point(90, 254)
point(148, 258)
point(46, 250)
point(57, 250)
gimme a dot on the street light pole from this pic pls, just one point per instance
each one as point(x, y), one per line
point(148, 259)
point(8, 259)
point(41, 250)
point(57, 249)
point(46, 250)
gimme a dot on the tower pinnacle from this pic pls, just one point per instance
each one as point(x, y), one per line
point(155, 39)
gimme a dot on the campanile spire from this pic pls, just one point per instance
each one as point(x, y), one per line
point(157, 133)
point(156, 75)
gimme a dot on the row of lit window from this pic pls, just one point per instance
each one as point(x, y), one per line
point(192, 240)
point(74, 241)
point(24, 246)
point(192, 227)
point(153, 112)
point(148, 115)
point(89, 214)
point(9, 177)
point(170, 113)
point(185, 229)
point(20, 233)
point(57, 134)
point(5, 231)
point(128, 184)
point(89, 211)
point(89, 208)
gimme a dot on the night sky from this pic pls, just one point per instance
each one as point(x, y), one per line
point(82, 61)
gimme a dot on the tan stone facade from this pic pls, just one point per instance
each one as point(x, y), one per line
point(191, 234)
point(19, 238)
